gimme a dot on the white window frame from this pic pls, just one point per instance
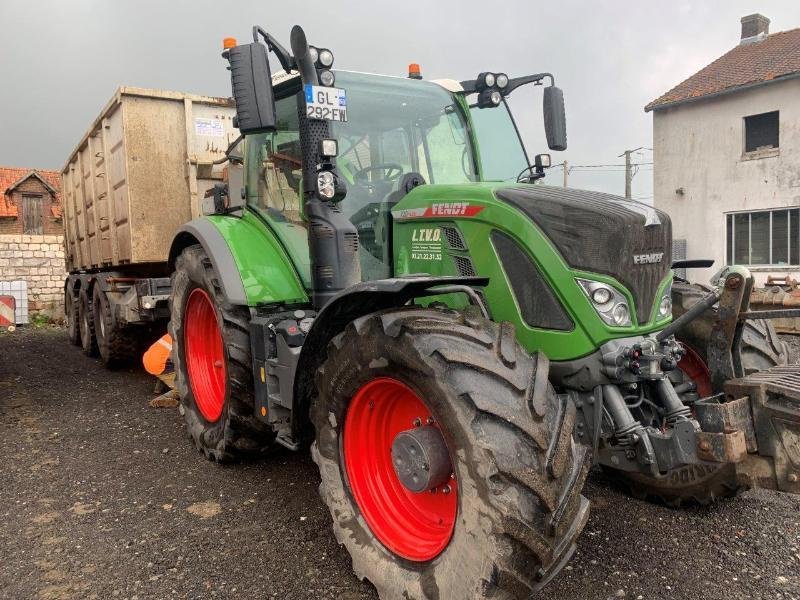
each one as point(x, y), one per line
point(730, 250)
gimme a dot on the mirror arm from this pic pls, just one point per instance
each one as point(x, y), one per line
point(287, 60)
point(520, 81)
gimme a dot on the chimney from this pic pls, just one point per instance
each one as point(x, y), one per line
point(755, 27)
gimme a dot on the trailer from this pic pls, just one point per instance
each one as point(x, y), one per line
point(144, 168)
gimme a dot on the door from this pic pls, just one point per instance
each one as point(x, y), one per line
point(32, 215)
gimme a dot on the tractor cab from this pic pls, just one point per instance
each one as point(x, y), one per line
point(389, 136)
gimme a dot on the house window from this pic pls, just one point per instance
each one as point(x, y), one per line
point(761, 132)
point(765, 237)
point(32, 214)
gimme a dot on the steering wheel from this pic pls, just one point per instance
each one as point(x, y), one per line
point(392, 171)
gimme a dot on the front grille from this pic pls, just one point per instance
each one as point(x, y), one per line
point(537, 302)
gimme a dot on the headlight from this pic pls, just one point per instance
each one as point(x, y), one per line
point(496, 97)
point(620, 314)
point(314, 53)
point(325, 186)
point(501, 80)
point(326, 78)
point(601, 295)
point(489, 80)
point(326, 58)
point(610, 304)
point(665, 306)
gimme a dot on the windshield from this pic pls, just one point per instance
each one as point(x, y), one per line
point(502, 153)
point(397, 126)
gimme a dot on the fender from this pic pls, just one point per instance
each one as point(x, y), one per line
point(354, 302)
point(252, 265)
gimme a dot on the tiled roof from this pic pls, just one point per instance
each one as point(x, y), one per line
point(775, 56)
point(9, 176)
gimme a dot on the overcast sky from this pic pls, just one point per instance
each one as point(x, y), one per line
point(61, 60)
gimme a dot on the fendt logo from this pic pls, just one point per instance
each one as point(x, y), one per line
point(648, 259)
point(440, 209)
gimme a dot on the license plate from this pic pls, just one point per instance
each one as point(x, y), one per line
point(325, 103)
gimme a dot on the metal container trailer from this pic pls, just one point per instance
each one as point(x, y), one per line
point(140, 171)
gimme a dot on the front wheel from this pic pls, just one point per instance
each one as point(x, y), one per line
point(446, 458)
point(211, 350)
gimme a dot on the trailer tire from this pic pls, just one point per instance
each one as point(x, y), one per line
point(761, 349)
point(222, 425)
point(515, 500)
point(72, 316)
point(88, 339)
point(116, 346)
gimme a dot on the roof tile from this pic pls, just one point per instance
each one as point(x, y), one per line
point(776, 56)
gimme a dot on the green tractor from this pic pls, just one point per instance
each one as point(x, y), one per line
point(385, 279)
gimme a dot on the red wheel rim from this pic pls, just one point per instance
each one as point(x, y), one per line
point(416, 526)
point(205, 359)
point(696, 369)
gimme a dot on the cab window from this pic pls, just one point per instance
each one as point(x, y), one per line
point(274, 167)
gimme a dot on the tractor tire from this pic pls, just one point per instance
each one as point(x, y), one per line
point(211, 351)
point(506, 519)
point(116, 346)
point(88, 340)
point(760, 349)
point(72, 317)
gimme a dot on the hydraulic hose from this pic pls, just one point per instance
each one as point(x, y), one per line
point(690, 315)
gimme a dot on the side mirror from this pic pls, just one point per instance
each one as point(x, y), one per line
point(252, 88)
point(555, 119)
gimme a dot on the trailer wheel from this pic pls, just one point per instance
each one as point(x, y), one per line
point(88, 340)
point(446, 458)
point(72, 317)
point(211, 349)
point(761, 349)
point(116, 346)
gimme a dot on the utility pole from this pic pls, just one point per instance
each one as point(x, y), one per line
point(566, 172)
point(628, 170)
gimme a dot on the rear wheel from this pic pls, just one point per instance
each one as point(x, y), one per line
point(211, 349)
point(760, 349)
point(446, 458)
point(116, 346)
point(88, 340)
point(72, 317)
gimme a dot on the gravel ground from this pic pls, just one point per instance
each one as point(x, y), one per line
point(102, 496)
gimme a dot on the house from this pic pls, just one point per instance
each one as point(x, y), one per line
point(32, 268)
point(726, 147)
point(30, 202)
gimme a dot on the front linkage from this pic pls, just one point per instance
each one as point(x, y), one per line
point(649, 418)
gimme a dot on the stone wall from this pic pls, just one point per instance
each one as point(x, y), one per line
point(39, 260)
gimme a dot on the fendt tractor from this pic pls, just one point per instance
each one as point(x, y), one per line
point(385, 278)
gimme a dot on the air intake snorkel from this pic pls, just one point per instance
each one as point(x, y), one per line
point(332, 238)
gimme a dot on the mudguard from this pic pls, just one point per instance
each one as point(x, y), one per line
point(253, 267)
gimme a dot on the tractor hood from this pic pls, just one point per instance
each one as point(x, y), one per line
point(602, 233)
